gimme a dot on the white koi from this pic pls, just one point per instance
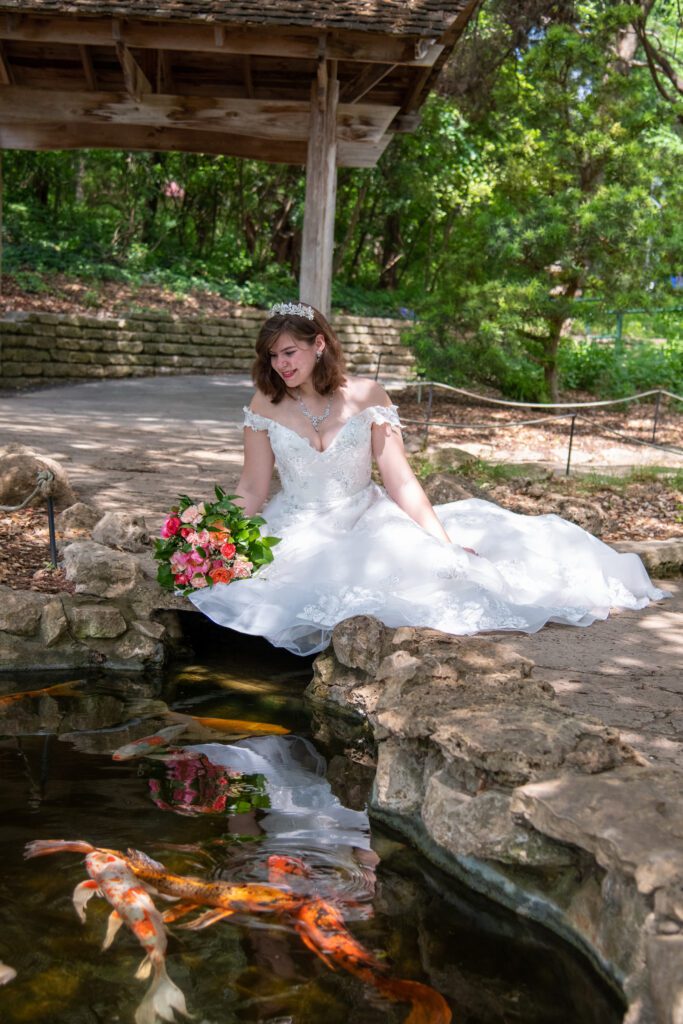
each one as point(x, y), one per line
point(112, 879)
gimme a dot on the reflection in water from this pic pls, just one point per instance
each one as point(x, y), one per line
point(59, 780)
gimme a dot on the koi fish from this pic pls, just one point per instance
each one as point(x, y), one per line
point(58, 690)
point(7, 973)
point(224, 898)
point(236, 726)
point(321, 928)
point(111, 878)
point(148, 744)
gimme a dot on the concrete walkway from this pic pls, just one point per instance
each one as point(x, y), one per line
point(136, 444)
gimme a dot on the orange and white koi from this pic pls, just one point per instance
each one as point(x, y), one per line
point(195, 728)
point(111, 878)
point(149, 744)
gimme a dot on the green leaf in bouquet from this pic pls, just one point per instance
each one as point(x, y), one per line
point(220, 493)
point(165, 577)
point(270, 541)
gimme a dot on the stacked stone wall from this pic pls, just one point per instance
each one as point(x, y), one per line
point(41, 347)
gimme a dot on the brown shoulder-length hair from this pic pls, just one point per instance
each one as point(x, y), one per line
point(329, 370)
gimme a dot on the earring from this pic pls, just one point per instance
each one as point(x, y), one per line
point(318, 355)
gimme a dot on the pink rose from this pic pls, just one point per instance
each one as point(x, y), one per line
point(170, 527)
point(186, 532)
point(182, 579)
point(242, 568)
point(203, 539)
point(198, 581)
point(193, 513)
point(228, 550)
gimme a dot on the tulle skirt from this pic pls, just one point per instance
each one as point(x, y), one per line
point(363, 556)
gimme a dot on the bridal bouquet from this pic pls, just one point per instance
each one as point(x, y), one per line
point(209, 542)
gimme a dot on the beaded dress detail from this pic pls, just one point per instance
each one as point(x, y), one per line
point(348, 549)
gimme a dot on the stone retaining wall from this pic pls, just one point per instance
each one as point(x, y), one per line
point(549, 813)
point(45, 346)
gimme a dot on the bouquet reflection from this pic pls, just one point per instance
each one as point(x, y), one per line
point(188, 783)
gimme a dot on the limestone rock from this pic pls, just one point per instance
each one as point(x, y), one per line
point(20, 611)
point(629, 819)
point(449, 456)
point(483, 826)
point(54, 625)
point(357, 642)
point(98, 570)
point(19, 466)
point(96, 620)
point(515, 744)
point(121, 530)
point(77, 521)
point(441, 488)
point(660, 557)
point(134, 649)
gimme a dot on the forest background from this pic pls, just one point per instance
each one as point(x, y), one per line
point(540, 199)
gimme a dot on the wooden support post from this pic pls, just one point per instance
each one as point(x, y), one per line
point(315, 285)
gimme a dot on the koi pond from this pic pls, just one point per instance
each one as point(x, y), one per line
point(315, 915)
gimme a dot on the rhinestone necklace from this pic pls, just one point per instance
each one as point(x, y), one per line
point(315, 420)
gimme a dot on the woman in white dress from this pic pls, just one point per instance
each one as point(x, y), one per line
point(349, 547)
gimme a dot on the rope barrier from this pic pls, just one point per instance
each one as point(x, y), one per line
point(541, 405)
point(43, 487)
point(428, 422)
point(44, 480)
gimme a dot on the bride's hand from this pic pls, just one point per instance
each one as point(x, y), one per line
point(471, 551)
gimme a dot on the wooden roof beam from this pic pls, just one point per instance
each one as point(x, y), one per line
point(39, 136)
point(366, 47)
point(273, 120)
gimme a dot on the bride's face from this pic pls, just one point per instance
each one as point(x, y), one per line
point(294, 360)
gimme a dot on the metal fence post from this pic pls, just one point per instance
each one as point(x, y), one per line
point(655, 421)
point(51, 528)
point(571, 442)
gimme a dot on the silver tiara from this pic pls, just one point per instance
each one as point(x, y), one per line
point(292, 309)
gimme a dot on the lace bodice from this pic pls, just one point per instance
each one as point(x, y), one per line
point(310, 477)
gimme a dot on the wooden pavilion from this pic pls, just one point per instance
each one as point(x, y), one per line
point(324, 83)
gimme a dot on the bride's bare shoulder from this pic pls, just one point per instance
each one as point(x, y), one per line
point(261, 404)
point(363, 392)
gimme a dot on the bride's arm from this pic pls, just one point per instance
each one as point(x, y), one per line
point(400, 482)
point(256, 472)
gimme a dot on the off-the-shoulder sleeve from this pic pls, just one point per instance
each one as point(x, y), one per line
point(253, 420)
point(385, 414)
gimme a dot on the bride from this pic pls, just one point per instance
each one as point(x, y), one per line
point(349, 547)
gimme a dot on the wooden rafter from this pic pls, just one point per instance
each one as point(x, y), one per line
point(137, 82)
point(367, 79)
point(285, 42)
point(164, 72)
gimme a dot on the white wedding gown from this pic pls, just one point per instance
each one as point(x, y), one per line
point(347, 549)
